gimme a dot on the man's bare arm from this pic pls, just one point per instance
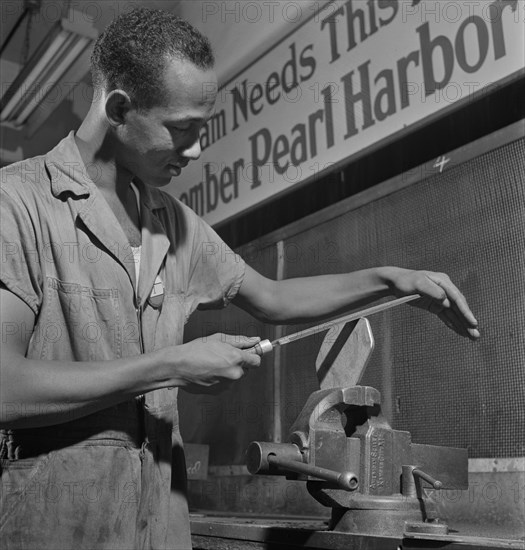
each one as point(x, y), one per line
point(40, 393)
point(314, 298)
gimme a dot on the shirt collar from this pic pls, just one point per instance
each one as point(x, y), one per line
point(67, 169)
point(68, 173)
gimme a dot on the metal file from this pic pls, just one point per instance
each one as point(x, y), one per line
point(265, 346)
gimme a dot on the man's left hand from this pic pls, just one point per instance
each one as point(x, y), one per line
point(439, 295)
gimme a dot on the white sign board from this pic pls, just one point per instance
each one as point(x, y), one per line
point(353, 74)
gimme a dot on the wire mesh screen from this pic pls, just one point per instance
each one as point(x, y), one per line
point(469, 222)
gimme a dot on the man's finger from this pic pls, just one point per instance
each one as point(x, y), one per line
point(241, 342)
point(250, 359)
point(456, 322)
point(450, 324)
point(456, 298)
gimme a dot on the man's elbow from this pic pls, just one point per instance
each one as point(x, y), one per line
point(10, 414)
point(261, 300)
point(263, 313)
point(12, 410)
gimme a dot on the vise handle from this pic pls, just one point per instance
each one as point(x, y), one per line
point(265, 458)
point(345, 480)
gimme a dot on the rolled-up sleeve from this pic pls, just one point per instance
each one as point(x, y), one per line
point(20, 270)
point(216, 272)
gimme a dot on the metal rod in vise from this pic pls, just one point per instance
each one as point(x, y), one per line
point(345, 480)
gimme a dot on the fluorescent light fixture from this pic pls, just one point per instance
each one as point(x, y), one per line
point(58, 64)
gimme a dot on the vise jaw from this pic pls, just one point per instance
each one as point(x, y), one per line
point(372, 476)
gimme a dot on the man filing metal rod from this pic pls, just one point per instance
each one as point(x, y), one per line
point(74, 408)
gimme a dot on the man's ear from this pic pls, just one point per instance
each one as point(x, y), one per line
point(118, 103)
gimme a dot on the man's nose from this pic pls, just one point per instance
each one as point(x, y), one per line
point(193, 151)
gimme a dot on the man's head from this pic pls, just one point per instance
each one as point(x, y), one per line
point(134, 50)
point(153, 75)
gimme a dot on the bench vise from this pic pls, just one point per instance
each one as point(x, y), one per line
point(374, 478)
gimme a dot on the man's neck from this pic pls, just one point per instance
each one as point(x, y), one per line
point(97, 150)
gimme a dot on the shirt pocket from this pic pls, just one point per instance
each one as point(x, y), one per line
point(81, 323)
point(164, 325)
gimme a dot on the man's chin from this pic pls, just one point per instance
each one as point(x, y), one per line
point(160, 178)
point(160, 181)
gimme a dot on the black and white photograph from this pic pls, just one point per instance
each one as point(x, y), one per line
point(262, 274)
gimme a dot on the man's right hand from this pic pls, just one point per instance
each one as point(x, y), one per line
point(212, 363)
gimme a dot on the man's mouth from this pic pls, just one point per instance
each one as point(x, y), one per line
point(174, 170)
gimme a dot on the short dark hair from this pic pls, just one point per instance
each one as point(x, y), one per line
point(132, 53)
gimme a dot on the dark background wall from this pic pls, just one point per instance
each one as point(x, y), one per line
point(467, 221)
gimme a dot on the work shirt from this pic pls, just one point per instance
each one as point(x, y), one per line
point(116, 478)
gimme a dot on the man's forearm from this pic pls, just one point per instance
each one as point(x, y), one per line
point(40, 393)
point(313, 298)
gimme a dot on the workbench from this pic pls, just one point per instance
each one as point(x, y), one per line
point(215, 532)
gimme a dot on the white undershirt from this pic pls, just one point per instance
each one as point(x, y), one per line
point(136, 256)
point(136, 249)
